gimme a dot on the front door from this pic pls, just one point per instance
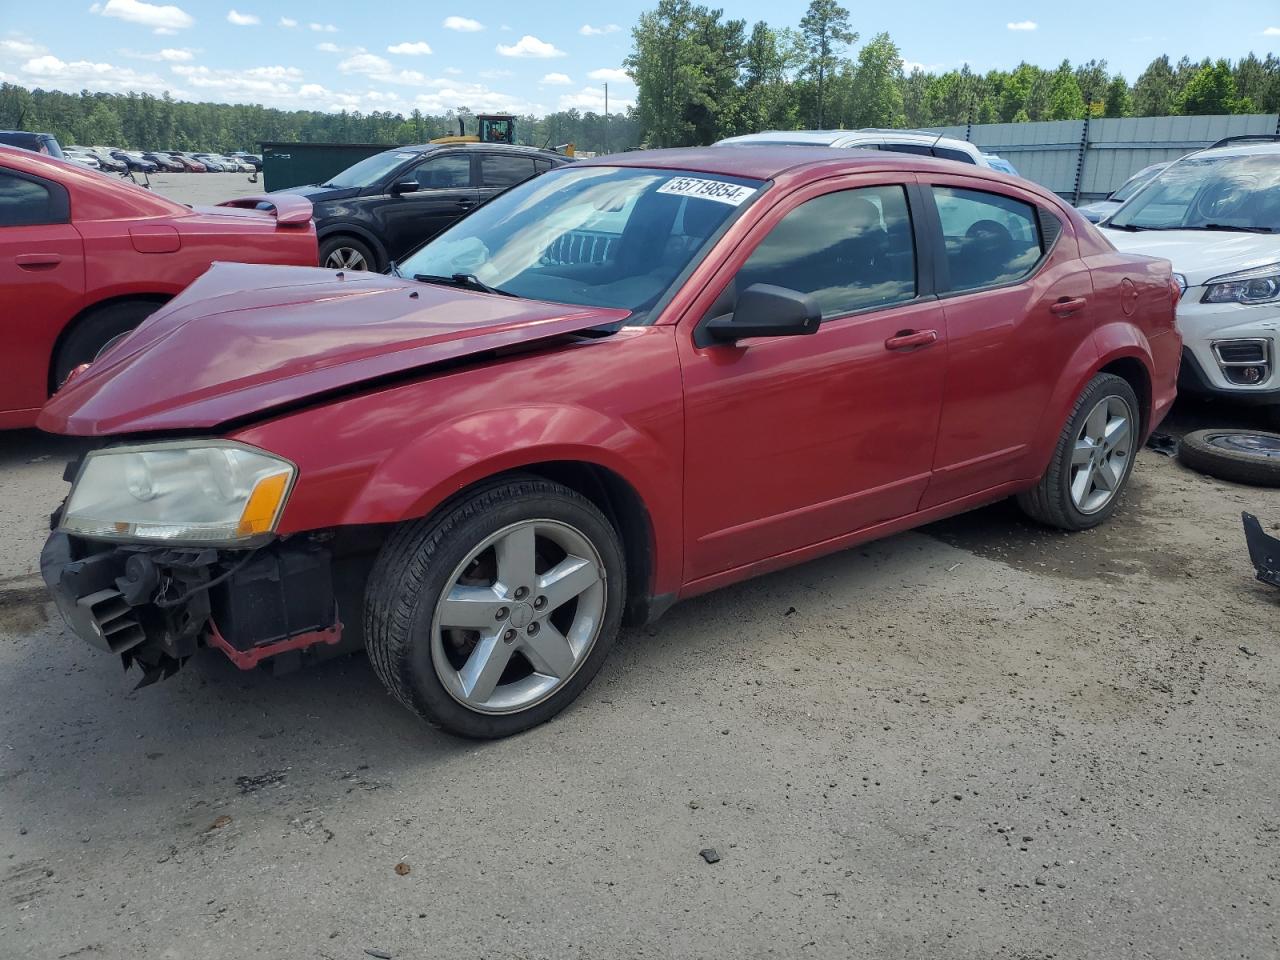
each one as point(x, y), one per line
point(445, 191)
point(796, 440)
point(42, 274)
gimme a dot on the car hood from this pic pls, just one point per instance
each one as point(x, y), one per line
point(1093, 212)
point(1200, 255)
point(244, 340)
point(315, 193)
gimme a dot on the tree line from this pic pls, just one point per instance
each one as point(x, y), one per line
point(702, 77)
point(699, 77)
point(141, 121)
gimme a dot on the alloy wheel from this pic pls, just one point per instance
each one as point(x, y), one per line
point(346, 258)
point(519, 616)
point(1102, 454)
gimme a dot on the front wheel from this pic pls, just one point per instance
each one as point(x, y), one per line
point(346, 253)
point(492, 616)
point(1092, 461)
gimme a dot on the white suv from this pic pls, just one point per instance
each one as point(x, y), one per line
point(1216, 215)
point(898, 141)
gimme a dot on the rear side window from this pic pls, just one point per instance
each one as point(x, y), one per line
point(442, 173)
point(920, 149)
point(990, 239)
point(25, 203)
point(946, 153)
point(502, 171)
point(851, 250)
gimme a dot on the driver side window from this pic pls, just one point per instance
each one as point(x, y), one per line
point(450, 171)
point(851, 250)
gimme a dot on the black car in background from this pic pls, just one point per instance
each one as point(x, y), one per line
point(164, 161)
point(388, 204)
point(45, 143)
point(135, 161)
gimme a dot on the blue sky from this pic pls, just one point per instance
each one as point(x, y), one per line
point(538, 56)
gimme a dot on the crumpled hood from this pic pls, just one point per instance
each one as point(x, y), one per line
point(245, 339)
point(1200, 255)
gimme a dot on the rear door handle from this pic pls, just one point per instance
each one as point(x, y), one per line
point(1067, 305)
point(37, 261)
point(911, 339)
point(466, 204)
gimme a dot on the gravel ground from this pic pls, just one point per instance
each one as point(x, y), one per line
point(204, 188)
point(978, 740)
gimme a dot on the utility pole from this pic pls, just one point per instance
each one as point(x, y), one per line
point(606, 118)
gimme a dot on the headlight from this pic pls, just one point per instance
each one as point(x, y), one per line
point(209, 492)
point(1260, 285)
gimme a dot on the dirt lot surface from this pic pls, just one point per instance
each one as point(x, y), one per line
point(979, 740)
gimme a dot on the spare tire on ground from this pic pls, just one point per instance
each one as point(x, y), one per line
point(1243, 456)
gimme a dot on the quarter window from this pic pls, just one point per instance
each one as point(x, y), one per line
point(444, 173)
point(990, 239)
point(851, 250)
point(500, 171)
point(25, 203)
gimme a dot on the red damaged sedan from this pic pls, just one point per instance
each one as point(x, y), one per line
point(623, 383)
point(84, 258)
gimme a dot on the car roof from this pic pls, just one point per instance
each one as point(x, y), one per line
point(833, 137)
point(90, 189)
point(767, 162)
point(505, 147)
point(1244, 149)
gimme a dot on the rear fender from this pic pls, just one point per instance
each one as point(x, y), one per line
point(1112, 340)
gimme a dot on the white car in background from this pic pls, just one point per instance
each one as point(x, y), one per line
point(1215, 215)
point(82, 156)
point(1101, 209)
point(920, 142)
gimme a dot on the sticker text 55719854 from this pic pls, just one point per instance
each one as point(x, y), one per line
point(734, 194)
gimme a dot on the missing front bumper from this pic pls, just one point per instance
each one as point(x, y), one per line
point(155, 606)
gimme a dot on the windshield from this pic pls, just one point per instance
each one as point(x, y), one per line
point(599, 236)
point(370, 170)
point(1136, 182)
point(1240, 192)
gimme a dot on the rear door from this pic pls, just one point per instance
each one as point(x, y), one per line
point(42, 276)
point(445, 191)
point(1016, 298)
point(796, 440)
point(498, 171)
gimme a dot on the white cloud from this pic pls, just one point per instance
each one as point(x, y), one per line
point(1022, 25)
point(274, 73)
point(416, 48)
point(323, 27)
point(242, 19)
point(20, 48)
point(167, 55)
point(463, 24)
point(49, 71)
point(380, 69)
point(453, 71)
point(529, 46)
point(164, 18)
point(557, 79)
point(587, 30)
point(592, 99)
point(288, 22)
point(611, 75)
point(328, 47)
point(910, 66)
point(1271, 32)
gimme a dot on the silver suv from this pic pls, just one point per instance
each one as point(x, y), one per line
point(920, 142)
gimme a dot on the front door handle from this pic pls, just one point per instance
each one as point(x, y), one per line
point(37, 261)
point(911, 339)
point(465, 204)
point(1067, 306)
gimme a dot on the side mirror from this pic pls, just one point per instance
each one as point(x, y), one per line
point(404, 186)
point(764, 310)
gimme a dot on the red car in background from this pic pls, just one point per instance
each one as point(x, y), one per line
point(85, 258)
point(627, 381)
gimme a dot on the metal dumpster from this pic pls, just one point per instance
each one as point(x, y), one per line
point(293, 164)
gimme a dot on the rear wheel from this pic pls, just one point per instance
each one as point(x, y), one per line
point(96, 331)
point(1093, 460)
point(346, 253)
point(493, 616)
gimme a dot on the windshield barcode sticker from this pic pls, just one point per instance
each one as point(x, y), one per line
point(731, 193)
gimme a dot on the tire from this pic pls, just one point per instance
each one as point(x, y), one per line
point(95, 331)
point(1052, 501)
point(346, 251)
point(1241, 456)
point(424, 664)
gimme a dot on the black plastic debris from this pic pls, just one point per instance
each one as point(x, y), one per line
point(1163, 443)
point(709, 855)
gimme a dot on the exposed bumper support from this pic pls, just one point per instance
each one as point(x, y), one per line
point(1264, 550)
